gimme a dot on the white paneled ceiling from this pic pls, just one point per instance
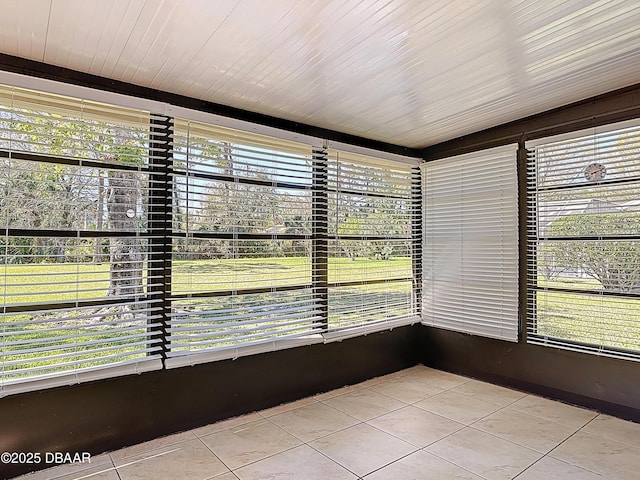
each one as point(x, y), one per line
point(412, 72)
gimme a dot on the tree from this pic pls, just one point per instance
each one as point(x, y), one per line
point(613, 263)
point(126, 253)
point(57, 196)
point(350, 226)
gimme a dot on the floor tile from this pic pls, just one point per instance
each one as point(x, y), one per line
point(422, 465)
point(364, 404)
point(554, 411)
point(336, 393)
point(189, 460)
point(302, 462)
point(458, 407)
point(408, 390)
point(421, 423)
point(98, 463)
point(362, 448)
point(549, 468)
point(416, 426)
point(438, 378)
point(95, 473)
point(400, 373)
point(313, 421)
point(249, 443)
point(285, 407)
point(615, 429)
point(224, 476)
point(489, 393)
point(374, 381)
point(227, 424)
point(526, 430)
point(152, 445)
point(599, 454)
point(483, 454)
point(410, 370)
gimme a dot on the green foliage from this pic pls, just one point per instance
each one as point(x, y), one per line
point(187, 276)
point(592, 319)
point(616, 223)
point(615, 264)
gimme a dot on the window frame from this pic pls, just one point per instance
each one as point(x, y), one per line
point(159, 218)
point(79, 316)
point(535, 238)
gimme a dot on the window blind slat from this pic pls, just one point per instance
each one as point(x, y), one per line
point(78, 278)
point(371, 212)
point(470, 243)
point(242, 221)
point(584, 241)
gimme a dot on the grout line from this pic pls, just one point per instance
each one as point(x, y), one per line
point(561, 461)
point(519, 410)
point(396, 376)
point(216, 456)
point(451, 463)
point(488, 401)
point(512, 442)
point(322, 436)
point(583, 467)
point(462, 427)
point(575, 428)
point(114, 468)
point(360, 422)
point(148, 458)
point(400, 400)
point(391, 463)
point(331, 459)
point(455, 464)
point(596, 434)
point(569, 438)
point(514, 478)
point(417, 449)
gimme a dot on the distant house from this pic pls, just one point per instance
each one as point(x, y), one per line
point(552, 210)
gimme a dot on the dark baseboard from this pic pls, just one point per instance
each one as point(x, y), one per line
point(608, 385)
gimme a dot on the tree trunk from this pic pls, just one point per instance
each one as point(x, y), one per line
point(126, 253)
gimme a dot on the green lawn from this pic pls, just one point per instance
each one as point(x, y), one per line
point(39, 283)
point(594, 319)
point(82, 338)
point(588, 318)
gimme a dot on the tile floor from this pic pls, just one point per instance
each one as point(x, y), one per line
point(419, 423)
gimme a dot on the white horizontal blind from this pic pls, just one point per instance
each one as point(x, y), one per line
point(242, 224)
point(371, 248)
point(584, 241)
point(78, 282)
point(470, 243)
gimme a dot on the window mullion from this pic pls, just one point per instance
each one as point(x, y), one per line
point(320, 266)
point(416, 238)
point(159, 265)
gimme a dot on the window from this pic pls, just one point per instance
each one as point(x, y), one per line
point(133, 241)
point(241, 247)
point(371, 246)
point(79, 283)
point(584, 241)
point(470, 247)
